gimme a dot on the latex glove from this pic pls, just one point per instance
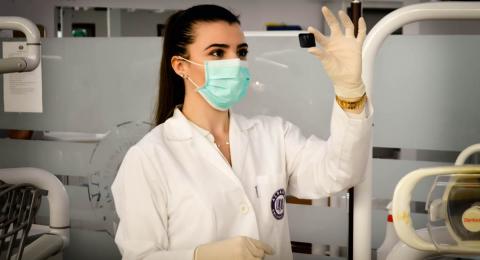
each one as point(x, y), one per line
point(237, 248)
point(341, 54)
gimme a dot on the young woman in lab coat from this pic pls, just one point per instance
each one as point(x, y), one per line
point(206, 183)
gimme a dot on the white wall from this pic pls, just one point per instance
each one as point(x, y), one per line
point(142, 22)
point(253, 13)
point(115, 22)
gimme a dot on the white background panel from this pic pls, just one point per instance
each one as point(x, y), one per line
point(61, 158)
point(318, 225)
point(431, 105)
point(92, 84)
point(386, 174)
point(426, 91)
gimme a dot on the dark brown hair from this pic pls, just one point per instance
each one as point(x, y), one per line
point(178, 35)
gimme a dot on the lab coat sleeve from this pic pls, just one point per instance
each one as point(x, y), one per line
point(140, 202)
point(317, 168)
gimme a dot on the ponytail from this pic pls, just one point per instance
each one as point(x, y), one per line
point(178, 35)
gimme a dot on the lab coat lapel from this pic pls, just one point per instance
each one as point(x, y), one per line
point(211, 154)
point(239, 143)
point(178, 128)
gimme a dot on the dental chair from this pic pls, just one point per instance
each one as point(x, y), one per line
point(453, 207)
point(21, 189)
point(20, 193)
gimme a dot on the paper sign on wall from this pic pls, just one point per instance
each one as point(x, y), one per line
point(22, 92)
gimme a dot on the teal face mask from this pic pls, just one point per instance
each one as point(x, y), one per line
point(226, 82)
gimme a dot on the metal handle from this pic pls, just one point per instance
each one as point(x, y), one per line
point(463, 156)
point(373, 43)
point(29, 62)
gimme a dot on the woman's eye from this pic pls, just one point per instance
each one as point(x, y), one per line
point(243, 53)
point(217, 53)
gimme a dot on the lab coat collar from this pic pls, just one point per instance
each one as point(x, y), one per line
point(178, 128)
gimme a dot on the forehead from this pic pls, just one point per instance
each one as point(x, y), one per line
point(206, 33)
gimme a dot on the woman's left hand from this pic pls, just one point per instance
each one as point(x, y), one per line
point(341, 54)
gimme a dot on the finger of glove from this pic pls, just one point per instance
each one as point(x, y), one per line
point(362, 30)
point(331, 21)
point(256, 252)
point(265, 247)
point(317, 52)
point(319, 37)
point(347, 24)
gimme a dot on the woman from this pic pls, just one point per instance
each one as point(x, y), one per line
point(209, 184)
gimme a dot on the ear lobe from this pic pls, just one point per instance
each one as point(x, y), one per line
point(178, 66)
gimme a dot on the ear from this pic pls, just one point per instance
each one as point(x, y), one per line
point(179, 66)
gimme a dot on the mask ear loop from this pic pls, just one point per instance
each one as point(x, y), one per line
point(187, 60)
point(193, 82)
point(185, 76)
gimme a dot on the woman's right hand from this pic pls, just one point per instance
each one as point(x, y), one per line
point(237, 248)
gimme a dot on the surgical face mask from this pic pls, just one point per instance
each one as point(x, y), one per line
point(226, 82)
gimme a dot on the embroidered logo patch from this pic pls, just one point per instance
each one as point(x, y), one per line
point(278, 203)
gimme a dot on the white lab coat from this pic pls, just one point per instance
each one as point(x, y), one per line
point(175, 191)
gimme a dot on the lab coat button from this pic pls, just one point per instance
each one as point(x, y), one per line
point(244, 208)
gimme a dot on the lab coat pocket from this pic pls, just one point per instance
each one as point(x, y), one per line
point(271, 191)
point(271, 210)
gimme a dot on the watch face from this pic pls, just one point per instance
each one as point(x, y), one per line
point(105, 161)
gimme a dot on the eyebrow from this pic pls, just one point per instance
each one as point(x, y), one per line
point(222, 45)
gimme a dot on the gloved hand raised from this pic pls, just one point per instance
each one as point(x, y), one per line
point(237, 248)
point(341, 54)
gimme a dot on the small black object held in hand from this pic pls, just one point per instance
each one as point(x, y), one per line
point(307, 40)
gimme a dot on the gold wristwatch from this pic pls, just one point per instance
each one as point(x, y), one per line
point(352, 105)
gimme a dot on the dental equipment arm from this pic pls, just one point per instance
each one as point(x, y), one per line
point(29, 62)
point(463, 156)
point(373, 43)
